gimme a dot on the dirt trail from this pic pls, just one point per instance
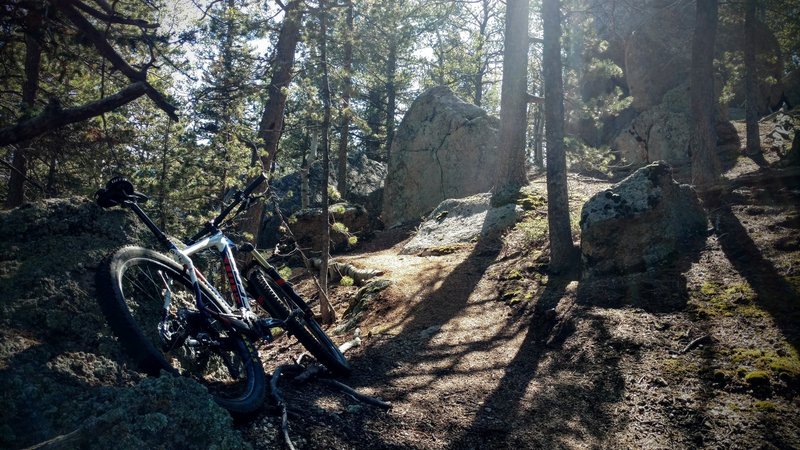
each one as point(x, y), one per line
point(703, 354)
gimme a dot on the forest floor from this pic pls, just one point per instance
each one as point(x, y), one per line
point(479, 348)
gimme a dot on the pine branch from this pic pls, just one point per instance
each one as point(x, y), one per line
point(54, 117)
point(113, 17)
point(107, 51)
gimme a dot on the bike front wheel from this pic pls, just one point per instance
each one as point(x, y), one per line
point(150, 304)
point(303, 326)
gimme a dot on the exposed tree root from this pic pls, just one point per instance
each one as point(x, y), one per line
point(300, 375)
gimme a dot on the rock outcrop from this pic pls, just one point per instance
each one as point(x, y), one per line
point(656, 59)
point(444, 148)
point(62, 370)
point(662, 133)
point(639, 222)
point(459, 222)
point(306, 226)
point(365, 188)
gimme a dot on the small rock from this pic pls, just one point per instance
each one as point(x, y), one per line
point(430, 331)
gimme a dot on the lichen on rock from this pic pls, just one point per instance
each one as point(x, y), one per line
point(639, 222)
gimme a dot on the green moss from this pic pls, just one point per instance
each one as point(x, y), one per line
point(679, 367)
point(783, 365)
point(352, 240)
point(534, 229)
point(514, 275)
point(285, 272)
point(708, 288)
point(346, 281)
point(530, 200)
point(764, 405)
point(757, 378)
point(737, 299)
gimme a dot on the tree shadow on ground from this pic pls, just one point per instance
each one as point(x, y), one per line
point(555, 391)
point(773, 293)
point(438, 306)
point(561, 387)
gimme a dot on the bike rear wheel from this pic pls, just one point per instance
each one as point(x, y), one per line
point(303, 326)
point(134, 284)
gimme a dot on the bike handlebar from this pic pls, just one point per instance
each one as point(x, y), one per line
point(119, 192)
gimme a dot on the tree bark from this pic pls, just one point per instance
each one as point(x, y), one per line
point(538, 136)
point(561, 248)
point(705, 167)
point(374, 114)
point(753, 146)
point(328, 314)
point(511, 173)
point(391, 96)
point(344, 134)
point(33, 60)
point(105, 50)
point(271, 125)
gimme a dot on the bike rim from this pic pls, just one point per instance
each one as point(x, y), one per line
point(210, 356)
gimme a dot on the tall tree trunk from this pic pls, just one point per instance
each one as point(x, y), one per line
point(482, 65)
point(225, 119)
point(511, 173)
point(309, 156)
point(162, 181)
point(561, 248)
point(538, 136)
point(328, 314)
point(750, 76)
point(271, 125)
point(374, 114)
point(705, 167)
point(391, 96)
point(344, 134)
point(33, 59)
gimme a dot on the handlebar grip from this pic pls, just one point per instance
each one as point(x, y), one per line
point(254, 184)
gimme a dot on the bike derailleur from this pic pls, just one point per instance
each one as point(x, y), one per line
point(176, 330)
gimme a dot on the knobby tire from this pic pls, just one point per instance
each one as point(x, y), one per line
point(140, 274)
point(305, 328)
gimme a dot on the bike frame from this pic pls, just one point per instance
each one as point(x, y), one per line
point(244, 317)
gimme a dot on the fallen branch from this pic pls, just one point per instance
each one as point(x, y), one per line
point(355, 394)
point(74, 438)
point(337, 270)
point(355, 342)
point(276, 395)
point(695, 343)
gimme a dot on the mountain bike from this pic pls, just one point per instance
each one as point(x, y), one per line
point(168, 315)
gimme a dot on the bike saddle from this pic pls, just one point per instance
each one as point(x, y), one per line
point(118, 190)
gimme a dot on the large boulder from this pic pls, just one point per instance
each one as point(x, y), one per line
point(656, 59)
point(662, 132)
point(639, 222)
point(791, 89)
point(460, 222)
point(444, 148)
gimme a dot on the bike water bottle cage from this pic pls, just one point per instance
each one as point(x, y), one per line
point(118, 190)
